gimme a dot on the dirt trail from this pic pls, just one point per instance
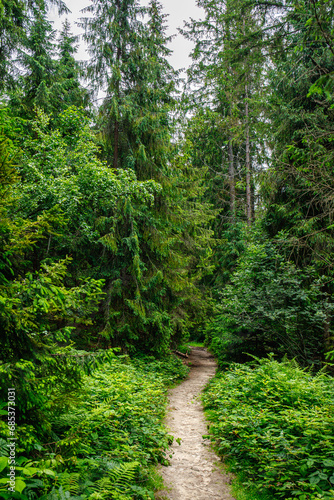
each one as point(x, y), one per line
point(193, 473)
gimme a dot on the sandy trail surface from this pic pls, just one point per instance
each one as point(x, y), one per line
point(194, 473)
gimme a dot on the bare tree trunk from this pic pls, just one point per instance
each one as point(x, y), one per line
point(253, 201)
point(116, 123)
point(231, 175)
point(116, 141)
point(248, 164)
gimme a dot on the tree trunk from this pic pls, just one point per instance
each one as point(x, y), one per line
point(248, 164)
point(116, 124)
point(249, 205)
point(253, 201)
point(116, 140)
point(231, 174)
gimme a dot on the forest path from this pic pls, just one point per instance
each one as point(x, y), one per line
point(194, 473)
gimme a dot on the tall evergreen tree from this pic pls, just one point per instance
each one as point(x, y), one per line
point(298, 201)
point(153, 99)
point(51, 74)
point(15, 16)
point(38, 63)
point(225, 74)
point(130, 62)
point(113, 34)
point(296, 188)
point(66, 89)
point(224, 94)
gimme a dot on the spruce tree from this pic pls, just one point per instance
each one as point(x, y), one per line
point(225, 78)
point(66, 88)
point(129, 63)
point(15, 17)
point(39, 67)
point(299, 199)
point(113, 35)
point(224, 96)
point(151, 283)
point(153, 98)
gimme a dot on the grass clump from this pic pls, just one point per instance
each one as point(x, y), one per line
point(273, 423)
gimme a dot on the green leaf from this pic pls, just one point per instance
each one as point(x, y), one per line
point(3, 463)
point(29, 471)
point(328, 463)
point(48, 472)
point(19, 485)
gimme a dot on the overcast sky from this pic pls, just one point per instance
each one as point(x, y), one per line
point(178, 10)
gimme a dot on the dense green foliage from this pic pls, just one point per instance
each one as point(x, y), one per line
point(273, 422)
point(264, 133)
point(270, 305)
point(103, 439)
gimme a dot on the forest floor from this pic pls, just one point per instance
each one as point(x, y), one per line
point(195, 472)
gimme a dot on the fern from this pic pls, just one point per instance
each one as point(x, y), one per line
point(3, 447)
point(117, 485)
point(58, 495)
point(123, 475)
point(69, 482)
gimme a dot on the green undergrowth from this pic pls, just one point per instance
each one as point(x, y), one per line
point(239, 492)
point(195, 344)
point(108, 441)
point(273, 424)
point(186, 348)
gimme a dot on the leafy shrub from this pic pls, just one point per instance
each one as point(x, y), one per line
point(270, 306)
point(106, 439)
point(274, 423)
point(170, 368)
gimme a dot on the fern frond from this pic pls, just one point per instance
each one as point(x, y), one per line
point(69, 482)
point(117, 485)
point(123, 475)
